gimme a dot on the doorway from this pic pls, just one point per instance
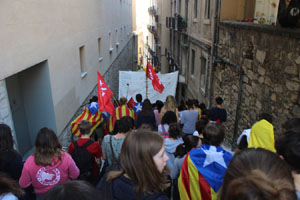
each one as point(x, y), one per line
point(31, 104)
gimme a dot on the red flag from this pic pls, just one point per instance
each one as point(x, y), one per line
point(150, 73)
point(104, 95)
point(131, 103)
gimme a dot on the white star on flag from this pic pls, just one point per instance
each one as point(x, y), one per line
point(213, 156)
point(138, 107)
point(94, 105)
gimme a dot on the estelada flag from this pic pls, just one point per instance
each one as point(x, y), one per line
point(262, 136)
point(150, 73)
point(202, 173)
point(104, 95)
point(87, 114)
point(122, 111)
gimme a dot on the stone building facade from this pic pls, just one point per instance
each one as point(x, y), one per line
point(267, 61)
point(254, 68)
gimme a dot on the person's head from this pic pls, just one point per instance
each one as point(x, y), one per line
point(79, 190)
point(266, 116)
point(9, 185)
point(147, 108)
point(139, 98)
point(6, 139)
point(190, 142)
point(206, 114)
point(169, 117)
point(288, 146)
point(123, 101)
point(200, 125)
point(170, 103)
point(143, 160)
point(125, 124)
point(146, 126)
point(94, 99)
point(292, 124)
point(257, 174)
point(85, 127)
point(175, 131)
point(202, 106)
point(181, 106)
point(189, 104)
point(213, 134)
point(47, 146)
point(159, 104)
point(195, 103)
point(219, 101)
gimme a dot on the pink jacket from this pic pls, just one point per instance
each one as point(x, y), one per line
point(44, 178)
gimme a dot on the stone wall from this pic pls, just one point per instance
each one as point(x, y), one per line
point(125, 61)
point(270, 59)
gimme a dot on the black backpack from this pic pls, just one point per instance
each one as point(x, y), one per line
point(83, 159)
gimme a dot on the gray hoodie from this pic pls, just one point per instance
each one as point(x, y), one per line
point(170, 148)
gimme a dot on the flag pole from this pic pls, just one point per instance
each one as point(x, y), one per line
point(116, 100)
point(146, 87)
point(146, 80)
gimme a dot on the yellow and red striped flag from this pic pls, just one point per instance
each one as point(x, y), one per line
point(202, 173)
point(123, 111)
point(95, 120)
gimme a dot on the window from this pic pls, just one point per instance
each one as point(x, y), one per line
point(121, 35)
point(203, 74)
point(99, 49)
point(117, 39)
point(207, 9)
point(193, 62)
point(82, 62)
point(125, 32)
point(195, 8)
point(110, 43)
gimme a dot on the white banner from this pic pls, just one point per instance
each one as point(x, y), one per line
point(132, 83)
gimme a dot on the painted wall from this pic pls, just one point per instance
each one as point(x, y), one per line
point(237, 10)
point(39, 30)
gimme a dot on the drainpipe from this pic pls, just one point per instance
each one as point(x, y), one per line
point(215, 59)
point(214, 50)
point(241, 73)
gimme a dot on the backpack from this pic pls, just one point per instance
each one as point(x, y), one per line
point(105, 187)
point(83, 159)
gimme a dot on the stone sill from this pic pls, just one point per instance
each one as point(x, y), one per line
point(277, 30)
point(83, 74)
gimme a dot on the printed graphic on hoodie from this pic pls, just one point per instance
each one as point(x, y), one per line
point(48, 176)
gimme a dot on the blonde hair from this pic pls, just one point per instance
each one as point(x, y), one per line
point(170, 104)
point(123, 101)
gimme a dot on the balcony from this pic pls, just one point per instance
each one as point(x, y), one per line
point(152, 29)
point(152, 52)
point(152, 10)
point(181, 23)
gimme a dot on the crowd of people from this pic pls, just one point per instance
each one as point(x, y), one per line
point(156, 151)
